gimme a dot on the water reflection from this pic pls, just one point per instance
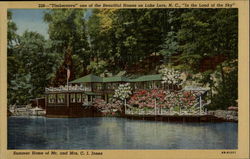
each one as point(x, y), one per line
point(117, 133)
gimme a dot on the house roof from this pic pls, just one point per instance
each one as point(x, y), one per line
point(87, 79)
point(115, 79)
point(93, 78)
point(156, 77)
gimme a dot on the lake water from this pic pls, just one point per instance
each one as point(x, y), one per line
point(117, 133)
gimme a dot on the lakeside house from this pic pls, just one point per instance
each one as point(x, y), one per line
point(77, 98)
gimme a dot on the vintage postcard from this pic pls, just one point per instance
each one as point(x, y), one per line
point(124, 79)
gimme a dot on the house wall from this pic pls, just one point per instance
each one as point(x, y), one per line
point(70, 107)
point(72, 111)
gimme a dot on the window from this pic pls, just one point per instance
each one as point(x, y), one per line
point(52, 98)
point(141, 85)
point(86, 87)
point(158, 84)
point(150, 84)
point(72, 98)
point(146, 85)
point(108, 86)
point(135, 85)
point(61, 98)
point(97, 86)
point(115, 85)
point(78, 98)
point(84, 97)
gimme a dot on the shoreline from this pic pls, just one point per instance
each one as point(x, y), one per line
point(180, 118)
point(161, 118)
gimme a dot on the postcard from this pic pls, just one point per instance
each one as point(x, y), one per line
point(124, 79)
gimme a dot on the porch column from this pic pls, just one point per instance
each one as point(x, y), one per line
point(67, 99)
point(200, 100)
point(91, 87)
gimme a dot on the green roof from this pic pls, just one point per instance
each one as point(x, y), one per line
point(87, 79)
point(93, 78)
point(156, 77)
point(115, 79)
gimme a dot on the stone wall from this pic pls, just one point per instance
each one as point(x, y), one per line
point(230, 115)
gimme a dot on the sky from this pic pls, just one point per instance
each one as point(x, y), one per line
point(32, 20)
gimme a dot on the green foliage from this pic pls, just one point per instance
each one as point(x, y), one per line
point(28, 75)
point(112, 40)
point(11, 30)
point(170, 46)
point(202, 33)
point(177, 108)
point(97, 67)
point(67, 27)
point(123, 37)
point(67, 31)
point(226, 90)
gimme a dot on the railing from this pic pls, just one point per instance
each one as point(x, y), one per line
point(66, 89)
point(162, 111)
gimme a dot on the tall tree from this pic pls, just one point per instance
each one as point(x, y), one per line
point(208, 35)
point(31, 51)
point(204, 33)
point(67, 32)
point(12, 61)
point(123, 37)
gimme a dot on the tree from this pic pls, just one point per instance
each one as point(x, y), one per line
point(12, 62)
point(201, 34)
point(33, 75)
point(102, 42)
point(12, 37)
point(67, 31)
point(123, 37)
point(113, 40)
point(209, 33)
point(172, 77)
point(123, 92)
